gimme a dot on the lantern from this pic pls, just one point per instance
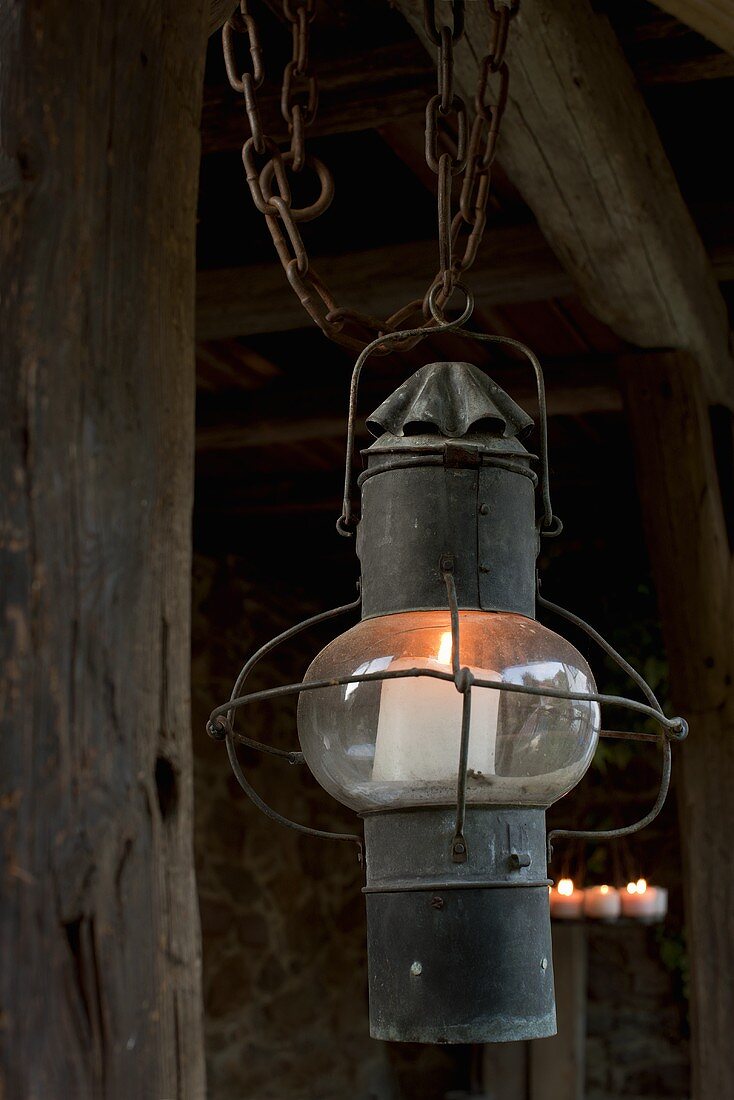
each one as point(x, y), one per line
point(448, 717)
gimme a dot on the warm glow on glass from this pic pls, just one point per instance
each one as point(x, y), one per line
point(396, 742)
point(631, 887)
point(565, 887)
point(603, 889)
point(641, 886)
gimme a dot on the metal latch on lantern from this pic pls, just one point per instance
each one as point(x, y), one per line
point(519, 859)
point(459, 454)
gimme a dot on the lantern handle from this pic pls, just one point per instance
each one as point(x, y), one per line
point(221, 728)
point(676, 729)
point(626, 830)
point(550, 525)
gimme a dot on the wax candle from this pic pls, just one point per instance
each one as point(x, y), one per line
point(566, 902)
point(602, 902)
point(419, 725)
point(643, 902)
point(661, 907)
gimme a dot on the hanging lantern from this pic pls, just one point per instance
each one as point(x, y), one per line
point(448, 717)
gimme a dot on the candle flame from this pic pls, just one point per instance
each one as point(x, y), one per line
point(631, 887)
point(603, 889)
point(445, 648)
point(641, 885)
point(565, 887)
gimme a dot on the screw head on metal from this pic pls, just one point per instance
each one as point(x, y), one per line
point(483, 509)
point(416, 969)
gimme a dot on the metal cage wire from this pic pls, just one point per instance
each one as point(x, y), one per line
point(220, 725)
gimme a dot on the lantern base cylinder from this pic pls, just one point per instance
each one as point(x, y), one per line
point(458, 952)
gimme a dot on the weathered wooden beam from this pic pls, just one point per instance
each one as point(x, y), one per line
point(714, 19)
point(391, 85)
point(716, 65)
point(99, 926)
point(693, 569)
point(516, 264)
point(381, 86)
point(579, 143)
point(297, 414)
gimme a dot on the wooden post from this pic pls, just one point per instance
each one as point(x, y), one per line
point(99, 930)
point(555, 1068)
point(558, 1065)
point(692, 564)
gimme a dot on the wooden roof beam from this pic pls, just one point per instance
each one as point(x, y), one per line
point(580, 145)
point(714, 19)
point(391, 85)
point(288, 413)
point(515, 265)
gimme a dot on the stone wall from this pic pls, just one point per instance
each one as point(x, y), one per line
point(283, 916)
point(636, 1023)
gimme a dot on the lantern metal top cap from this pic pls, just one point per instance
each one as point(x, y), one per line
point(450, 399)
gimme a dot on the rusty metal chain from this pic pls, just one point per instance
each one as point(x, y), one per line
point(468, 160)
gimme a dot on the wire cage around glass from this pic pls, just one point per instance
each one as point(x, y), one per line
point(448, 717)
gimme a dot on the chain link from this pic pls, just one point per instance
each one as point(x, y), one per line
point(454, 151)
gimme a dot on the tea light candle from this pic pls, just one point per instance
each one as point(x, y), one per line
point(566, 902)
point(643, 902)
point(661, 908)
point(602, 902)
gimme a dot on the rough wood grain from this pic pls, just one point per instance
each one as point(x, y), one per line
point(219, 13)
point(714, 19)
point(99, 929)
point(579, 143)
point(692, 564)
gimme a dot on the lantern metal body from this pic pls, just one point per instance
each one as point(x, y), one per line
point(459, 950)
point(459, 944)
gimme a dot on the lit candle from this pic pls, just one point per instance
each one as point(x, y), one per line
point(643, 902)
point(419, 725)
point(566, 902)
point(602, 902)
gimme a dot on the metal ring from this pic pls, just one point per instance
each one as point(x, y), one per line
point(304, 213)
point(438, 315)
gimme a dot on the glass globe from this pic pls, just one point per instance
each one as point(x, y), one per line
point(394, 743)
